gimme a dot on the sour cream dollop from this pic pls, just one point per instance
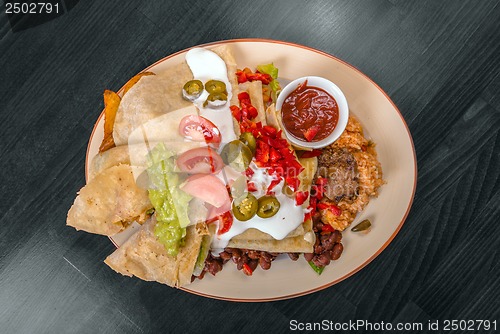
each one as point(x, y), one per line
point(207, 65)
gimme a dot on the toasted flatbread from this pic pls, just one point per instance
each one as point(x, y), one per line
point(255, 92)
point(299, 240)
point(157, 95)
point(133, 155)
point(109, 202)
point(143, 256)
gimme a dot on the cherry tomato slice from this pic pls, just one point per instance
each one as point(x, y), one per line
point(225, 223)
point(198, 128)
point(201, 160)
point(208, 188)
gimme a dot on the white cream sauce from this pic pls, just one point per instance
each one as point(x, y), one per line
point(288, 218)
point(207, 65)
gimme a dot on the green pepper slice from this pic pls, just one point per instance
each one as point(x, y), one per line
point(192, 89)
point(215, 86)
point(245, 209)
point(268, 206)
point(237, 155)
point(363, 226)
point(248, 139)
point(215, 100)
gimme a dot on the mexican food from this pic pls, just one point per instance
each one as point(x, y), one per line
point(198, 158)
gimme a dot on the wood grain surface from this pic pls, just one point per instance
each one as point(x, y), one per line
point(438, 60)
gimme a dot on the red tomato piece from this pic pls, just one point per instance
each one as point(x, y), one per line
point(331, 207)
point(327, 228)
point(225, 222)
point(301, 197)
point(247, 270)
point(311, 154)
point(311, 132)
point(197, 128)
point(201, 160)
point(208, 188)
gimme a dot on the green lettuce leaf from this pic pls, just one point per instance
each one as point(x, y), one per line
point(273, 72)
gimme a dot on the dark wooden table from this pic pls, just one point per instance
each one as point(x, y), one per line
point(438, 60)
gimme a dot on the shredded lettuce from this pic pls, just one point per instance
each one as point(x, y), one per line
point(273, 72)
point(169, 201)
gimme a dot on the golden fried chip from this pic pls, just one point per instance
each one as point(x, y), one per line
point(111, 103)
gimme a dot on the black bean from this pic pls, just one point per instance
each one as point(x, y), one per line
point(293, 256)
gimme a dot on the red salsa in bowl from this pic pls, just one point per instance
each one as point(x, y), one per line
point(310, 113)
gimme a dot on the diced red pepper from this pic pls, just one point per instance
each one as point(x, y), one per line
point(243, 96)
point(242, 76)
point(292, 182)
point(273, 184)
point(308, 216)
point(251, 187)
point(235, 111)
point(321, 181)
point(249, 172)
point(264, 77)
point(310, 133)
point(262, 152)
point(301, 197)
point(252, 112)
point(274, 155)
point(270, 131)
point(327, 228)
point(310, 154)
point(247, 270)
point(331, 207)
point(225, 222)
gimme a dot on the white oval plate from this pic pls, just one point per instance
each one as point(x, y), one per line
point(383, 123)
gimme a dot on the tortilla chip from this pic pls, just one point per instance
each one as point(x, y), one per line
point(134, 80)
point(109, 203)
point(272, 118)
point(133, 155)
point(297, 244)
point(143, 256)
point(111, 104)
point(298, 240)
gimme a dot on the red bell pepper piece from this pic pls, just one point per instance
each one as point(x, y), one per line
point(327, 228)
point(247, 270)
point(331, 207)
point(310, 133)
point(301, 197)
point(311, 154)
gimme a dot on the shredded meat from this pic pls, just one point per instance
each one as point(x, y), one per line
point(339, 166)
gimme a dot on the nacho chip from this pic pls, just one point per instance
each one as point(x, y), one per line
point(157, 95)
point(111, 103)
point(143, 256)
point(134, 80)
point(109, 203)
